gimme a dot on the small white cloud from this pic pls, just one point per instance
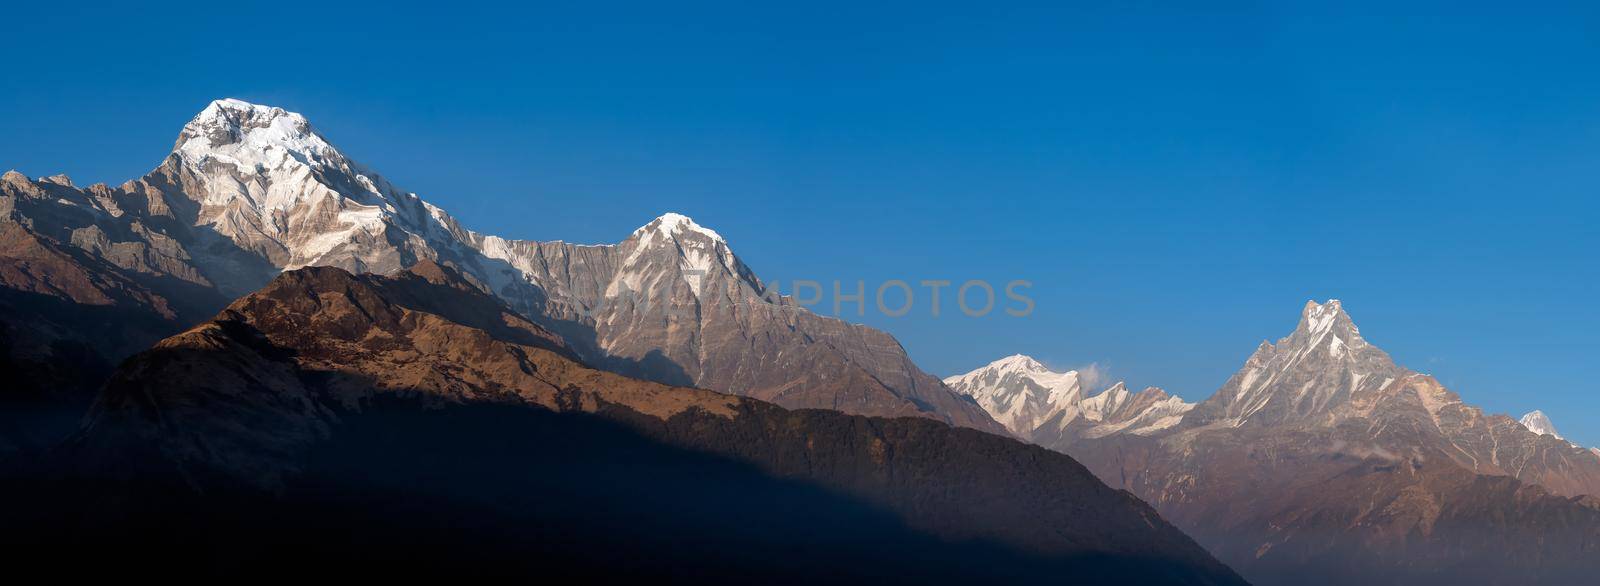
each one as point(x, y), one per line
point(1094, 376)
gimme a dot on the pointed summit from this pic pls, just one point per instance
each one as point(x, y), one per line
point(1321, 311)
point(674, 224)
point(265, 179)
point(1321, 318)
point(1318, 367)
point(1537, 422)
point(674, 247)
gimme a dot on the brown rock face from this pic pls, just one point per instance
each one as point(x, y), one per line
point(326, 386)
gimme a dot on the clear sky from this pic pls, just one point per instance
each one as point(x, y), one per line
point(1175, 182)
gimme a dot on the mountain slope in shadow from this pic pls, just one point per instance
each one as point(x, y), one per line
point(412, 425)
point(66, 319)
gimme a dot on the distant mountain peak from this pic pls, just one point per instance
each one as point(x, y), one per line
point(1328, 317)
point(246, 135)
point(1019, 362)
point(267, 180)
point(1018, 391)
point(59, 179)
point(675, 224)
point(1324, 324)
point(1059, 386)
point(1321, 312)
point(231, 113)
point(1039, 404)
point(1536, 421)
point(674, 247)
point(1317, 368)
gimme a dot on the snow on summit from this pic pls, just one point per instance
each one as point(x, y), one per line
point(1018, 391)
point(673, 223)
point(251, 136)
point(695, 258)
point(1026, 396)
point(267, 180)
point(1537, 422)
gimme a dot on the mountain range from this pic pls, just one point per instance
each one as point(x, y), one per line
point(1046, 407)
point(264, 356)
point(249, 191)
point(1323, 461)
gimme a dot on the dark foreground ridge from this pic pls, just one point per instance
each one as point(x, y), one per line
point(411, 426)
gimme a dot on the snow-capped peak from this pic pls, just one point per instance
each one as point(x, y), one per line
point(1030, 399)
point(1019, 391)
point(1319, 318)
point(239, 113)
point(1327, 323)
point(1022, 366)
point(1317, 369)
point(251, 136)
point(1537, 422)
point(673, 224)
point(674, 245)
point(267, 179)
point(1018, 362)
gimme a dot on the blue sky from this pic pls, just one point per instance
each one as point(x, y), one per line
point(1175, 182)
